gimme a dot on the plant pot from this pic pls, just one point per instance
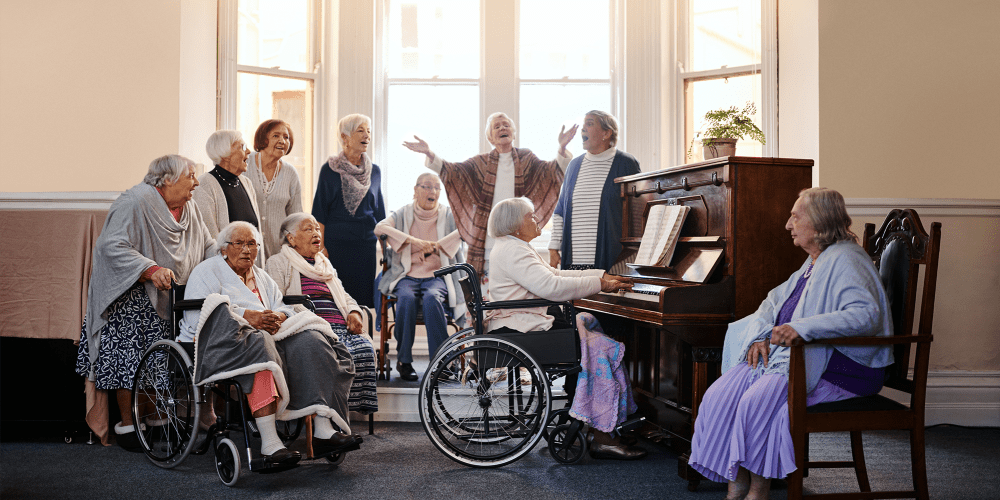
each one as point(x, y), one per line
point(718, 147)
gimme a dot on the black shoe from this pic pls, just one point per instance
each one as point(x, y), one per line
point(339, 443)
point(283, 456)
point(406, 371)
point(611, 452)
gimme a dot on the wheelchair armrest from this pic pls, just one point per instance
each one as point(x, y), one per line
point(188, 305)
point(868, 341)
point(303, 300)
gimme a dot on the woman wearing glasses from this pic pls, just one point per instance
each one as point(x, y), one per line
point(422, 237)
point(153, 234)
point(225, 194)
point(291, 364)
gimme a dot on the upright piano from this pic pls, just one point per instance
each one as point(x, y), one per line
point(733, 249)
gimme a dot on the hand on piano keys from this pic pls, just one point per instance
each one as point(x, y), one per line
point(641, 291)
point(612, 283)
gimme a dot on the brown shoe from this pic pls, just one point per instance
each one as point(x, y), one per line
point(338, 443)
point(611, 452)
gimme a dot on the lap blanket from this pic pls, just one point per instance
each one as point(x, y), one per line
point(603, 394)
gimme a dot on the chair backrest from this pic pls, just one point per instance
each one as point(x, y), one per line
point(899, 249)
point(472, 302)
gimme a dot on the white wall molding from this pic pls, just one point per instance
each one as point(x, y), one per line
point(960, 398)
point(64, 200)
point(926, 207)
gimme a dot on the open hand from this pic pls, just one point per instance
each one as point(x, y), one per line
point(566, 136)
point(419, 146)
point(758, 352)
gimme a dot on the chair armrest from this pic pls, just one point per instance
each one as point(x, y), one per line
point(301, 300)
point(188, 305)
point(868, 341)
point(522, 304)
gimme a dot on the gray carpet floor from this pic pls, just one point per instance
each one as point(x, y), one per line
point(399, 462)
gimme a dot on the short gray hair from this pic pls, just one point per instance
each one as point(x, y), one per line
point(291, 224)
point(167, 168)
point(489, 124)
point(426, 175)
point(350, 123)
point(828, 213)
point(507, 217)
point(607, 121)
point(227, 233)
point(220, 144)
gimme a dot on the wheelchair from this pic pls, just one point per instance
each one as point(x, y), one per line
point(167, 406)
point(486, 399)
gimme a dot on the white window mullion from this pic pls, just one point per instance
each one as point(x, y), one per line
point(226, 91)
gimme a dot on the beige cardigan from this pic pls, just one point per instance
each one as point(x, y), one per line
point(279, 268)
point(517, 272)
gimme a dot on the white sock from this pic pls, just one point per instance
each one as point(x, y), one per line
point(269, 440)
point(322, 428)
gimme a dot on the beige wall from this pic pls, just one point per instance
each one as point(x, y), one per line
point(908, 99)
point(92, 90)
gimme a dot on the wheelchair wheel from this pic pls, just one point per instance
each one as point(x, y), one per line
point(556, 418)
point(227, 461)
point(165, 399)
point(336, 458)
point(288, 430)
point(484, 415)
point(567, 447)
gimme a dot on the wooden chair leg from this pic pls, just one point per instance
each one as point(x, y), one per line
point(858, 452)
point(371, 424)
point(795, 484)
point(919, 462)
point(309, 437)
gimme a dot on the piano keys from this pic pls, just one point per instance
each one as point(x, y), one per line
point(733, 250)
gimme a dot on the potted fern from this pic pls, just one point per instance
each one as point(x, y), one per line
point(723, 127)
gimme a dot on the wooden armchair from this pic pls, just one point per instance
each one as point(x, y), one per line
point(899, 250)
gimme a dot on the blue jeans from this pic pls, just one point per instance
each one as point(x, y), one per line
point(430, 294)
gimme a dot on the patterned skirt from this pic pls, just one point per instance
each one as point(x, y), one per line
point(132, 327)
point(363, 398)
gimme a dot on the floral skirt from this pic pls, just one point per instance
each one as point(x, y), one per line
point(132, 327)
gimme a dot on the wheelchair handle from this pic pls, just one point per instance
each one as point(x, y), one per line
point(461, 266)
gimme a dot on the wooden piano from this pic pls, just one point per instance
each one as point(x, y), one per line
point(733, 249)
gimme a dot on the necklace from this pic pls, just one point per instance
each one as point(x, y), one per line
point(809, 271)
point(218, 175)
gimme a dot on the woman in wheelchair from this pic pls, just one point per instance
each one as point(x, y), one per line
point(603, 396)
point(153, 234)
point(742, 435)
point(300, 268)
point(291, 364)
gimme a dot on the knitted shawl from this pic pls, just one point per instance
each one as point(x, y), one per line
point(470, 186)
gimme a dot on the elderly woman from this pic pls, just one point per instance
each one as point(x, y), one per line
point(603, 397)
point(225, 194)
point(275, 182)
point(300, 268)
point(587, 223)
point(153, 234)
point(422, 237)
point(476, 185)
point(742, 434)
point(291, 364)
point(348, 204)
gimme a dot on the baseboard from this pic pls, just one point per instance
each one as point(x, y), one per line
point(73, 200)
point(961, 398)
point(926, 207)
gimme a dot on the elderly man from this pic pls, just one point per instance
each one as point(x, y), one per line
point(476, 185)
point(422, 237)
point(587, 224)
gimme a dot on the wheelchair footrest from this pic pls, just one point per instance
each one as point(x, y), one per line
point(630, 425)
point(259, 465)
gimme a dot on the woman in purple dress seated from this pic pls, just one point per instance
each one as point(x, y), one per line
point(742, 435)
point(603, 397)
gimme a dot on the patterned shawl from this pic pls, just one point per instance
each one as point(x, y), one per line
point(355, 180)
point(470, 185)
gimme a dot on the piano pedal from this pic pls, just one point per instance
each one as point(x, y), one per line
point(629, 425)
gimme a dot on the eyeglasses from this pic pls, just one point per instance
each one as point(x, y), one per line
point(251, 245)
point(429, 188)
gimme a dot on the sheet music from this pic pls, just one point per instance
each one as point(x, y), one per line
point(659, 239)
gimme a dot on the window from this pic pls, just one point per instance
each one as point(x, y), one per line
point(274, 75)
point(719, 56)
point(448, 64)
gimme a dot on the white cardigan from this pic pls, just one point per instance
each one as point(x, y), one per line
point(289, 281)
point(212, 203)
point(517, 272)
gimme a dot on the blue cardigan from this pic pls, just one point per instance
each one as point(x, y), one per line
point(609, 222)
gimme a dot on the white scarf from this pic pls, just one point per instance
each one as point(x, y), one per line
point(355, 180)
point(321, 270)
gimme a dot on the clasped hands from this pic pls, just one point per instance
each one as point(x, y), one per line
point(780, 335)
point(266, 320)
point(422, 247)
